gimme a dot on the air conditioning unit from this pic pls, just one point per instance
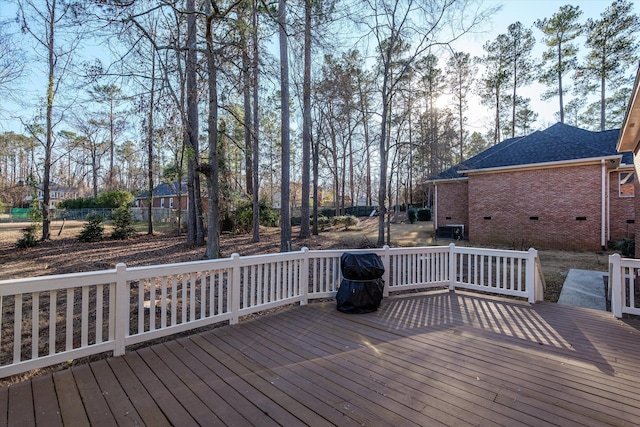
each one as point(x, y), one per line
point(451, 231)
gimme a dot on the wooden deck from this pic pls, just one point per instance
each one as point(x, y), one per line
point(438, 358)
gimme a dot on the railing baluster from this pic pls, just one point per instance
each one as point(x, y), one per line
point(69, 330)
point(84, 317)
point(17, 327)
point(35, 324)
point(99, 311)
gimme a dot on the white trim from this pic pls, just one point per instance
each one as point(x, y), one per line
point(603, 204)
point(435, 207)
point(446, 180)
point(546, 165)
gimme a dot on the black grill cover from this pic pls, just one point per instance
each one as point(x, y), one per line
point(361, 266)
point(362, 287)
point(359, 296)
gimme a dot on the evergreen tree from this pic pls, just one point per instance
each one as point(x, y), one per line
point(123, 223)
point(461, 76)
point(520, 44)
point(494, 80)
point(613, 46)
point(561, 57)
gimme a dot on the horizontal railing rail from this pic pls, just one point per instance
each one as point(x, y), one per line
point(54, 319)
point(624, 286)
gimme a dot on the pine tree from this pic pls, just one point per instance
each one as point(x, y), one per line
point(520, 42)
point(461, 75)
point(613, 46)
point(561, 57)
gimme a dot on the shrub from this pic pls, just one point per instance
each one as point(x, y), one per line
point(28, 239)
point(35, 215)
point(412, 214)
point(424, 214)
point(123, 223)
point(346, 221)
point(114, 199)
point(323, 222)
point(93, 230)
point(626, 247)
point(79, 203)
point(269, 217)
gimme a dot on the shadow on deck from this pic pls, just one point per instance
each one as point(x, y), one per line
point(449, 358)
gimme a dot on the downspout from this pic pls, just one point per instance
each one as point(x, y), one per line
point(603, 225)
point(608, 205)
point(435, 207)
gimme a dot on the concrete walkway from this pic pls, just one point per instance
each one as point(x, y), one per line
point(584, 288)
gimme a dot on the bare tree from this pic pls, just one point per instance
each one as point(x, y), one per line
point(41, 22)
point(11, 60)
point(305, 230)
point(418, 25)
point(285, 215)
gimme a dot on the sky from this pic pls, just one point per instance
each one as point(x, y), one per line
point(525, 11)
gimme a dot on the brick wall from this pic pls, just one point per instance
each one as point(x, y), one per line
point(636, 163)
point(546, 208)
point(621, 210)
point(453, 203)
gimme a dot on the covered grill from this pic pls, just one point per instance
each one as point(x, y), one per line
point(362, 284)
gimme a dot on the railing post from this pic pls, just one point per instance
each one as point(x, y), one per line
point(386, 259)
point(452, 267)
point(616, 284)
point(234, 292)
point(304, 277)
point(530, 278)
point(121, 321)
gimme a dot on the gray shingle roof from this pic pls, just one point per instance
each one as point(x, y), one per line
point(558, 143)
point(165, 189)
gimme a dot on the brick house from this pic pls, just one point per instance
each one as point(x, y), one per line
point(165, 196)
point(629, 141)
point(57, 193)
point(563, 188)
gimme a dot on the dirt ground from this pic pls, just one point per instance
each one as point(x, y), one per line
point(65, 254)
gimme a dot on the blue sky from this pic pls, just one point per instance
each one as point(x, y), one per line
point(525, 11)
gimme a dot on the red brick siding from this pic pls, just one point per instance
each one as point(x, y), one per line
point(453, 203)
point(621, 209)
point(636, 163)
point(555, 195)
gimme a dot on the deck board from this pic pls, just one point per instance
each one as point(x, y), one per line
point(437, 358)
point(47, 411)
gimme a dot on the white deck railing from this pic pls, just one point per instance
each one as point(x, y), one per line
point(54, 319)
point(624, 287)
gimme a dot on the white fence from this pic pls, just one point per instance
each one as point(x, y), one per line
point(53, 319)
point(624, 287)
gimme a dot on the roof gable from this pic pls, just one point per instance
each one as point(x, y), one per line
point(558, 143)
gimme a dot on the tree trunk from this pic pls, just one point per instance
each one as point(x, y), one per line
point(382, 188)
point(195, 225)
point(602, 97)
point(246, 91)
point(316, 159)
point(560, 82)
point(48, 151)
point(306, 123)
point(285, 216)
point(256, 127)
point(150, 140)
point(213, 190)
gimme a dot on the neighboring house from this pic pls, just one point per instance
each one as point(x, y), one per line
point(57, 194)
point(562, 188)
point(629, 140)
point(164, 196)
